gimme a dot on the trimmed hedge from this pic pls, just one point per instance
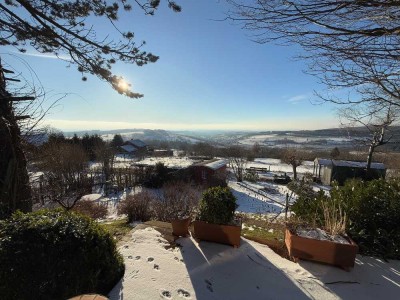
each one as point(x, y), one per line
point(56, 255)
point(217, 206)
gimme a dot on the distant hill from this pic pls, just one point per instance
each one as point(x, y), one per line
point(312, 139)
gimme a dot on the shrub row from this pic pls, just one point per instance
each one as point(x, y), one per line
point(175, 200)
point(179, 200)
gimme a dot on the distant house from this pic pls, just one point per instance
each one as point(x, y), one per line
point(210, 172)
point(139, 144)
point(162, 153)
point(328, 170)
point(134, 148)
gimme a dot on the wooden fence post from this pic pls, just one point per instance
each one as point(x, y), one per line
point(286, 206)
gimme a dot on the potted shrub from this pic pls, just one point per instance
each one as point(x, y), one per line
point(329, 245)
point(216, 222)
point(176, 203)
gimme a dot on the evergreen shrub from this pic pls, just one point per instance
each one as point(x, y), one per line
point(53, 254)
point(217, 206)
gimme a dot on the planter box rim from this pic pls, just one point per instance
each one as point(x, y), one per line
point(330, 252)
point(348, 238)
point(239, 221)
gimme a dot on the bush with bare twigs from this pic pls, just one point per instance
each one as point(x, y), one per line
point(91, 209)
point(176, 200)
point(137, 207)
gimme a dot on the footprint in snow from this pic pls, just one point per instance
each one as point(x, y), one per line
point(134, 274)
point(126, 246)
point(130, 257)
point(166, 294)
point(156, 267)
point(209, 285)
point(150, 259)
point(137, 257)
point(184, 294)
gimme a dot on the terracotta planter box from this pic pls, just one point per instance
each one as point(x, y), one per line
point(180, 227)
point(224, 234)
point(341, 255)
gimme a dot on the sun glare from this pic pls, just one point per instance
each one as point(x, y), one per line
point(123, 85)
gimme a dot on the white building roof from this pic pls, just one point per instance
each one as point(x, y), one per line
point(129, 148)
point(137, 143)
point(324, 162)
point(349, 164)
point(214, 164)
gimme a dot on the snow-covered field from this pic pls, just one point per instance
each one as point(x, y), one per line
point(283, 140)
point(126, 162)
point(252, 271)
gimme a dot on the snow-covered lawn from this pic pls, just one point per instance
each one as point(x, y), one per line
point(275, 165)
point(252, 271)
point(251, 202)
point(171, 162)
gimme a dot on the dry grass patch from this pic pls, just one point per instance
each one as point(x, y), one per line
point(266, 233)
point(119, 229)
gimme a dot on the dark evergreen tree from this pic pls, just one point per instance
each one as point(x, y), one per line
point(117, 141)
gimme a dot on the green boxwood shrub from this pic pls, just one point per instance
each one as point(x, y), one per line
point(56, 255)
point(217, 206)
point(308, 203)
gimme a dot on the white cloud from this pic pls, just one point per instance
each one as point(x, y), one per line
point(298, 98)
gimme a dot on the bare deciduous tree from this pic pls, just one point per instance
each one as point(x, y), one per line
point(377, 121)
point(237, 161)
point(64, 166)
point(350, 44)
point(294, 158)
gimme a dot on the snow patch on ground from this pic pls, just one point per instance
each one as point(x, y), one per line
point(252, 271)
point(208, 271)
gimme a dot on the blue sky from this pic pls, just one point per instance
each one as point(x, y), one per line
point(210, 75)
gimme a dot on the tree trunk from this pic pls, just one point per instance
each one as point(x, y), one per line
point(369, 159)
point(294, 172)
point(15, 192)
